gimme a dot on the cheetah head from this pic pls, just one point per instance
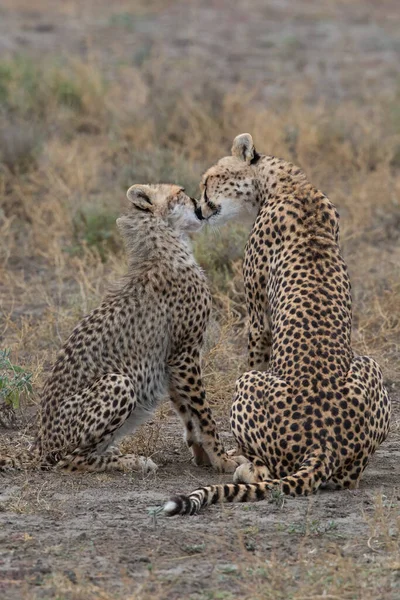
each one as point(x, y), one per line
point(229, 188)
point(169, 203)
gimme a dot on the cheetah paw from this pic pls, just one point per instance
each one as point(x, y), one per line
point(239, 458)
point(226, 464)
point(244, 473)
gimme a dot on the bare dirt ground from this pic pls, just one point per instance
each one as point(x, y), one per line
point(95, 536)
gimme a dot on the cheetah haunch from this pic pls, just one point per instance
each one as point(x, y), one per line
point(310, 411)
point(141, 344)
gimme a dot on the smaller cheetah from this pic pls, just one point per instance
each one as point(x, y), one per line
point(309, 411)
point(140, 345)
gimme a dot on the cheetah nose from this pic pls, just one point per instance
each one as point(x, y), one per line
point(199, 214)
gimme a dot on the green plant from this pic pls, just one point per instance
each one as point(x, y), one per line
point(22, 88)
point(314, 527)
point(68, 94)
point(14, 381)
point(277, 497)
point(194, 548)
point(96, 228)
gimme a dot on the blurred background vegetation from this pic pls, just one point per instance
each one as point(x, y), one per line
point(96, 97)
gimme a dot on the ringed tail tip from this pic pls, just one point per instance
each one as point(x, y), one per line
point(179, 505)
point(171, 508)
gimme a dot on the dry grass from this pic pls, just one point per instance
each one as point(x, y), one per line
point(61, 197)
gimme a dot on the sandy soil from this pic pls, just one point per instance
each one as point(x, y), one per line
point(98, 531)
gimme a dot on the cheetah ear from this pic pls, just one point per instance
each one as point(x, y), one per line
point(140, 197)
point(243, 147)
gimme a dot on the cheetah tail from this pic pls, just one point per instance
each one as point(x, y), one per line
point(314, 471)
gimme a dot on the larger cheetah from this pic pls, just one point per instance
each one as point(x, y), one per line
point(141, 344)
point(313, 411)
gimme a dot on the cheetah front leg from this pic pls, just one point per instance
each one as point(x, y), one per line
point(189, 398)
point(192, 436)
point(259, 344)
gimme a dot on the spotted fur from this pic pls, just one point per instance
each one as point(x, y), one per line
point(141, 344)
point(309, 411)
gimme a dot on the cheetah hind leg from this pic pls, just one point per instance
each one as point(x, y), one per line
point(366, 388)
point(346, 480)
point(92, 446)
point(92, 462)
